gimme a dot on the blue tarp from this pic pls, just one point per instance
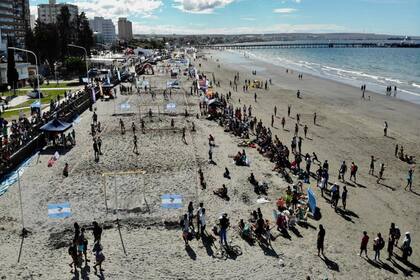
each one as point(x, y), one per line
point(312, 200)
point(13, 176)
point(56, 126)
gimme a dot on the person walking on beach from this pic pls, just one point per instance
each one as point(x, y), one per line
point(344, 197)
point(275, 111)
point(385, 128)
point(255, 97)
point(315, 118)
point(272, 120)
point(296, 129)
point(372, 165)
point(320, 240)
point(224, 224)
point(381, 173)
point(99, 257)
point(364, 243)
point(135, 149)
point(409, 179)
point(353, 172)
point(133, 127)
point(406, 247)
point(378, 245)
point(289, 108)
point(298, 94)
point(283, 122)
point(305, 130)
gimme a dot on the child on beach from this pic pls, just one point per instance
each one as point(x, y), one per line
point(99, 257)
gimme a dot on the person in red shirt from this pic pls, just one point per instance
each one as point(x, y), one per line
point(363, 245)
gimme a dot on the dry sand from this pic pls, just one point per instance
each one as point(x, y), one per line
point(349, 130)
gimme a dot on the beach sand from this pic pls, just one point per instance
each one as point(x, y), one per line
point(349, 129)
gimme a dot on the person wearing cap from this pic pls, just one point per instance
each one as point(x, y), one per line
point(406, 248)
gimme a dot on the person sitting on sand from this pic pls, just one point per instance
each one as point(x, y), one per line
point(227, 173)
point(222, 192)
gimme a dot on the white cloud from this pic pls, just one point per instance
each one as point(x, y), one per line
point(141, 28)
point(284, 10)
point(200, 6)
point(118, 8)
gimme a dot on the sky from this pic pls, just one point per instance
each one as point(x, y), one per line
point(397, 17)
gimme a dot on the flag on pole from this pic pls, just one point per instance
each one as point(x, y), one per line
point(171, 201)
point(59, 211)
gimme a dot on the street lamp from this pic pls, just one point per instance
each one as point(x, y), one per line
point(36, 65)
point(87, 69)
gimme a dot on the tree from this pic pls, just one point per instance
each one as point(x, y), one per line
point(64, 30)
point(12, 73)
point(47, 45)
point(85, 34)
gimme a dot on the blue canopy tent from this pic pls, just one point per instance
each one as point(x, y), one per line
point(56, 126)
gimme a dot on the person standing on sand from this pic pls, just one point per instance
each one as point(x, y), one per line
point(224, 224)
point(385, 129)
point(183, 135)
point(289, 108)
point(296, 129)
point(315, 118)
point(381, 173)
point(272, 120)
point(97, 232)
point(320, 240)
point(342, 171)
point(275, 111)
point(66, 170)
point(378, 245)
point(298, 94)
point(283, 122)
point(135, 150)
point(372, 165)
point(364, 243)
point(353, 172)
point(409, 179)
point(122, 126)
point(305, 130)
point(344, 197)
point(255, 97)
point(396, 150)
point(406, 246)
point(95, 150)
point(390, 247)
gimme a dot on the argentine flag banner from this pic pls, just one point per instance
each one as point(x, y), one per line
point(59, 211)
point(171, 201)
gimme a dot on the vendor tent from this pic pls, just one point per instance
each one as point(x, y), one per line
point(56, 126)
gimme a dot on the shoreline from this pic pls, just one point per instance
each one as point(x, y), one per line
point(402, 95)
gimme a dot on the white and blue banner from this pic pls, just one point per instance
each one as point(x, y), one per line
point(13, 176)
point(171, 107)
point(125, 106)
point(119, 75)
point(311, 200)
point(59, 211)
point(171, 201)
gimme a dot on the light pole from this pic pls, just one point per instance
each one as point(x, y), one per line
point(36, 65)
point(87, 69)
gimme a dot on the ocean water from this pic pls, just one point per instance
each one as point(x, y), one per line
point(375, 67)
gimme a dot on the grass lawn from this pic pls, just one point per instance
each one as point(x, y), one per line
point(48, 96)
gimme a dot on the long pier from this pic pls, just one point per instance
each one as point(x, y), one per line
point(310, 45)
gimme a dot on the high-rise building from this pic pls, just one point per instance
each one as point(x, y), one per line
point(14, 20)
point(105, 27)
point(47, 13)
point(125, 29)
